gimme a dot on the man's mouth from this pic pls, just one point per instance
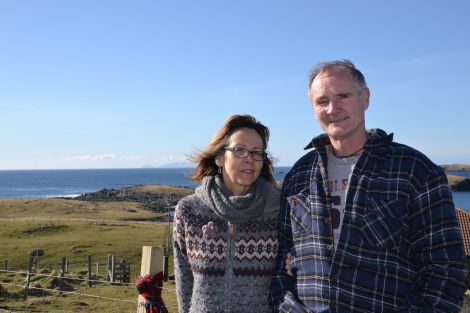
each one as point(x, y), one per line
point(337, 120)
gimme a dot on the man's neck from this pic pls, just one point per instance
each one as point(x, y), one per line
point(348, 146)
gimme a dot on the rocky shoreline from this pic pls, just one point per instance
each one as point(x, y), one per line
point(463, 185)
point(156, 198)
point(159, 198)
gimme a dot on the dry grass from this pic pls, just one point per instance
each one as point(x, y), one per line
point(166, 190)
point(53, 209)
point(454, 179)
point(75, 229)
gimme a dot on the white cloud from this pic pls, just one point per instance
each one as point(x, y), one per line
point(167, 158)
point(104, 157)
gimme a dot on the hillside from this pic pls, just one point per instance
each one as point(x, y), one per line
point(152, 197)
point(106, 222)
point(75, 230)
point(456, 167)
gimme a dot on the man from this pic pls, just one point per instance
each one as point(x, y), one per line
point(366, 224)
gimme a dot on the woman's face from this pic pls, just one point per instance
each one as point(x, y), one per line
point(240, 173)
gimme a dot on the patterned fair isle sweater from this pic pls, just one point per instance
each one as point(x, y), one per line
point(222, 267)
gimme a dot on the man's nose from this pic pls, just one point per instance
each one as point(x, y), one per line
point(332, 107)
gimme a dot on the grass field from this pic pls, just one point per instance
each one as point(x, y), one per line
point(75, 230)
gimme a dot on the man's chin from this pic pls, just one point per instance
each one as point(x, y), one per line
point(336, 133)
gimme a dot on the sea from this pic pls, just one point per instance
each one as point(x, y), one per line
point(461, 198)
point(71, 183)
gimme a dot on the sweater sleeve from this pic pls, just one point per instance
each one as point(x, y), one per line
point(282, 296)
point(183, 273)
point(440, 256)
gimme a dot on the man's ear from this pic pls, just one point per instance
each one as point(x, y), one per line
point(366, 98)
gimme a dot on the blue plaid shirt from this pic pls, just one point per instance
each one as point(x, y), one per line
point(400, 247)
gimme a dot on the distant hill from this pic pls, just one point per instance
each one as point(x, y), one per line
point(456, 167)
point(148, 166)
point(177, 165)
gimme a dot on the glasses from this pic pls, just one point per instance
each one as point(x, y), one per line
point(243, 153)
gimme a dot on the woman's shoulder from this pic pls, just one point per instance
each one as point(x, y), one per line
point(191, 204)
point(273, 201)
point(187, 202)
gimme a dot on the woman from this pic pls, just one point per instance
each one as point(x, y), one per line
point(225, 235)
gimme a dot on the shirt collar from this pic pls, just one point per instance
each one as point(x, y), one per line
point(376, 135)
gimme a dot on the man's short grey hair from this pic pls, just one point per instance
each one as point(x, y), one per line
point(346, 64)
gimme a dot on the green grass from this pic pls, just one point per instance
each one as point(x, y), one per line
point(75, 229)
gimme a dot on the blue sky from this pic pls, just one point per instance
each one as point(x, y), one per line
point(112, 84)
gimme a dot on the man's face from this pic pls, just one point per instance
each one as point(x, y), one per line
point(338, 105)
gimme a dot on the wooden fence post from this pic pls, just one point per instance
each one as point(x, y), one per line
point(62, 274)
point(108, 267)
point(152, 263)
point(165, 267)
point(97, 268)
point(89, 271)
point(113, 268)
point(63, 267)
point(28, 278)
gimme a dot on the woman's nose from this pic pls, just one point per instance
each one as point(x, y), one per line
point(249, 158)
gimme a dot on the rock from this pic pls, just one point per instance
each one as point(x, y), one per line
point(151, 197)
point(463, 185)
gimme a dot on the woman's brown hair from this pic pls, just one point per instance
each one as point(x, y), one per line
point(206, 159)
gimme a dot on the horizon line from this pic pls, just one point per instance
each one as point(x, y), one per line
point(111, 168)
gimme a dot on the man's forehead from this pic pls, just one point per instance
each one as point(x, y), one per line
point(337, 75)
point(334, 71)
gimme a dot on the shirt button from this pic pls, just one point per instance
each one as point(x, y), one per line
point(329, 247)
point(327, 220)
point(333, 277)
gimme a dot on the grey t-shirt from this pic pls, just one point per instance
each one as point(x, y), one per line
point(339, 173)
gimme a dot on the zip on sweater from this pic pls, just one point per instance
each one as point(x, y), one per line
point(230, 259)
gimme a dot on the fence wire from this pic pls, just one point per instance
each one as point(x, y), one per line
point(76, 293)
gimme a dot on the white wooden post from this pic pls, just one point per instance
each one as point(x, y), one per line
point(152, 263)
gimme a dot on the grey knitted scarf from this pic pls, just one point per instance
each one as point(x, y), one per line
point(262, 197)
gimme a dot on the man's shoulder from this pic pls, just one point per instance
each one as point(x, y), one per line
point(405, 151)
point(411, 159)
point(384, 145)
